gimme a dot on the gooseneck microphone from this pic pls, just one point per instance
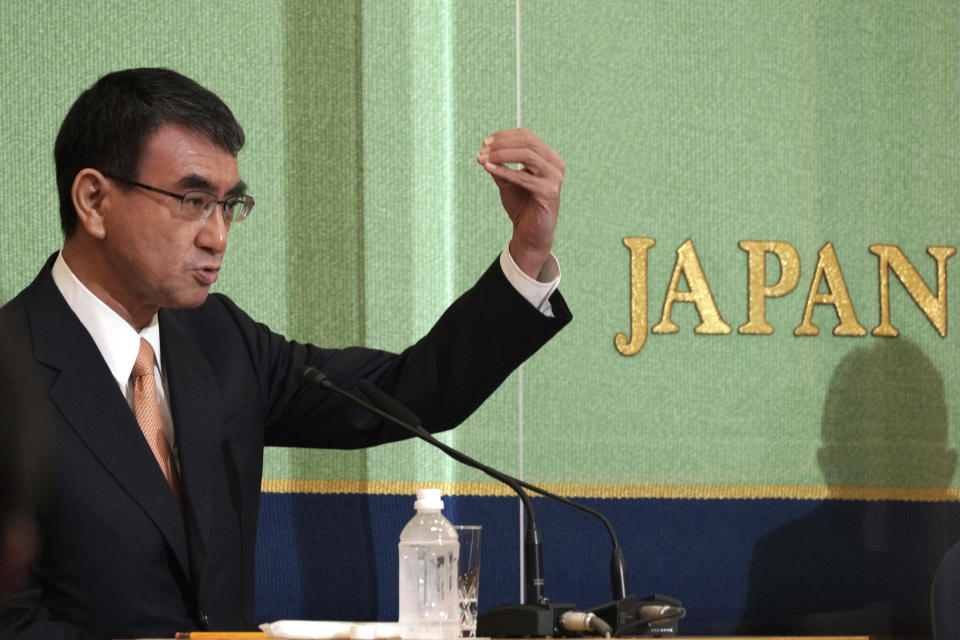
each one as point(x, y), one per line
point(618, 569)
point(537, 617)
point(388, 408)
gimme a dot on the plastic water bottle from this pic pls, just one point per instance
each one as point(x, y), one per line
point(429, 550)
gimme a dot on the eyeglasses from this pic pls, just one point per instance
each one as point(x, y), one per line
point(198, 205)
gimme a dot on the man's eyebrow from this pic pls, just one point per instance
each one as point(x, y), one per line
point(196, 181)
point(238, 189)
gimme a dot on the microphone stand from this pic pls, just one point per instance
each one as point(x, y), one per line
point(534, 618)
point(624, 615)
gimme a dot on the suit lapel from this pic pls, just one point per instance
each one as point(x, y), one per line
point(197, 407)
point(87, 396)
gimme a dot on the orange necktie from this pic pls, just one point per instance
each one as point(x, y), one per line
point(147, 409)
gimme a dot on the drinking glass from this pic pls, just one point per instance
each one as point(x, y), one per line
point(469, 578)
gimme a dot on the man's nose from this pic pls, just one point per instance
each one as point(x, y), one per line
point(212, 235)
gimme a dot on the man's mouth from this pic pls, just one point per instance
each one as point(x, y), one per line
point(207, 275)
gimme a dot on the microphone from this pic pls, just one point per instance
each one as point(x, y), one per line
point(625, 614)
point(536, 617)
point(389, 404)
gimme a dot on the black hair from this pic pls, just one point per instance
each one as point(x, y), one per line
point(110, 123)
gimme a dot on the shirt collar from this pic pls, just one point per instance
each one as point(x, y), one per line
point(117, 341)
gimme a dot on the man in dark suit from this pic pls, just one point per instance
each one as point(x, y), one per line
point(156, 399)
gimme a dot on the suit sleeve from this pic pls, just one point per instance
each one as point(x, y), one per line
point(477, 342)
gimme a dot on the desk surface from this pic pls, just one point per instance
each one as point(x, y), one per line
point(228, 635)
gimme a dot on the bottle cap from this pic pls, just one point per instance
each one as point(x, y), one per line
point(428, 499)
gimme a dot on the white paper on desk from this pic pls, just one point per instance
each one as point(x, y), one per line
point(331, 630)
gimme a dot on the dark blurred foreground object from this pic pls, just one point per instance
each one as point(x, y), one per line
point(18, 468)
point(945, 596)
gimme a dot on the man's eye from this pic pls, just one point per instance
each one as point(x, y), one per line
point(194, 202)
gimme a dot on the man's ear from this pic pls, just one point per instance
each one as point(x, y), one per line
point(89, 187)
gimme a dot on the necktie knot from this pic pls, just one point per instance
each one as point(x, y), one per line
point(144, 363)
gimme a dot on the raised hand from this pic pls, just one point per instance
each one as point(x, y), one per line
point(529, 191)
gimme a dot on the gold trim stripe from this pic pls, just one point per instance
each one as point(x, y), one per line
point(574, 490)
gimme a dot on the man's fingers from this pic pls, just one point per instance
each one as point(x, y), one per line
point(541, 189)
point(529, 161)
point(514, 141)
point(505, 175)
point(535, 159)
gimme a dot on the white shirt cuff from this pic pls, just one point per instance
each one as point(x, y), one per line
point(537, 292)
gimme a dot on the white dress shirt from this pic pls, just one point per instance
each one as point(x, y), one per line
point(537, 292)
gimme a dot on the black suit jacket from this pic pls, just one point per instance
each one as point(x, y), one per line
point(119, 556)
